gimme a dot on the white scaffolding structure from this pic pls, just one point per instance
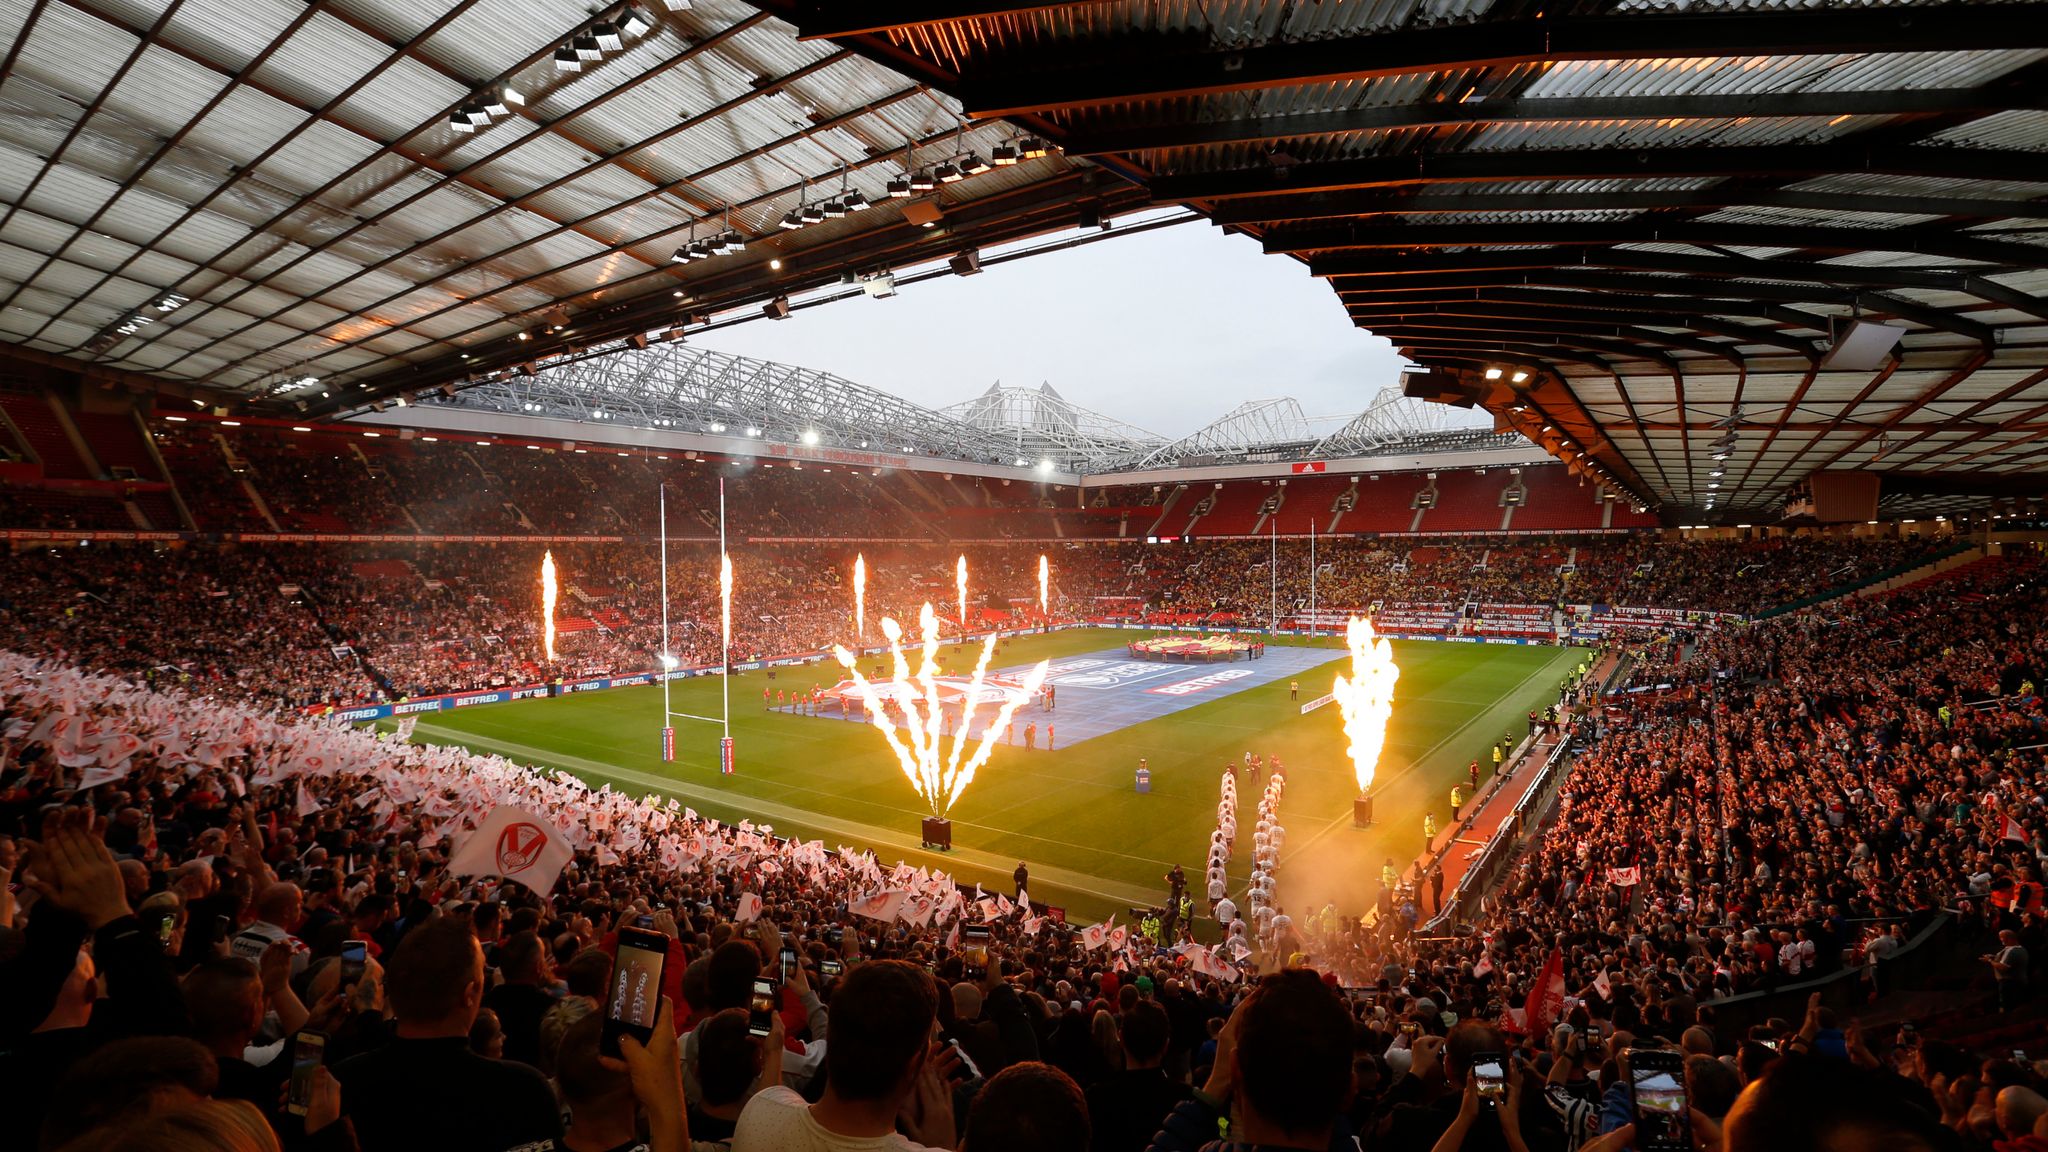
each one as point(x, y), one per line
point(671, 386)
point(1041, 424)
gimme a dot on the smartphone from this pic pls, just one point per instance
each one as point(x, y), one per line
point(1657, 1087)
point(1490, 1077)
point(2019, 1056)
point(1411, 1030)
point(635, 997)
point(761, 1007)
point(788, 958)
point(223, 927)
point(643, 921)
point(835, 934)
point(965, 1070)
point(309, 1051)
point(355, 957)
point(974, 950)
point(831, 969)
point(1771, 1044)
point(166, 925)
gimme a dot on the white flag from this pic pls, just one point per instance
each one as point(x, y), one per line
point(99, 774)
point(306, 804)
point(517, 844)
point(749, 909)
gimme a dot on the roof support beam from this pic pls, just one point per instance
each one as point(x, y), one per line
point(1346, 205)
point(1134, 73)
point(1623, 334)
point(1634, 287)
point(1603, 319)
point(827, 19)
point(1653, 309)
point(1438, 114)
point(1781, 160)
point(1835, 275)
point(1951, 245)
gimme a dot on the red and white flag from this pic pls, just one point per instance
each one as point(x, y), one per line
point(1483, 968)
point(1119, 936)
point(517, 844)
point(2011, 829)
point(102, 773)
point(306, 804)
point(1095, 936)
point(1546, 997)
point(883, 906)
point(1603, 985)
point(749, 909)
point(1623, 877)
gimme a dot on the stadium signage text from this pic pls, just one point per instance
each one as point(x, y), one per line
point(1200, 683)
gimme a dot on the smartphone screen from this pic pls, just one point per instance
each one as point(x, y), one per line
point(1490, 1076)
point(974, 950)
point(788, 958)
point(831, 969)
point(635, 996)
point(308, 1051)
point(354, 955)
point(761, 1007)
point(166, 925)
point(1663, 1121)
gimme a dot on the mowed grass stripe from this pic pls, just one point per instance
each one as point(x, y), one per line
point(1073, 809)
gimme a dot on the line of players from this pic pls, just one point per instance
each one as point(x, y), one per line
point(1268, 837)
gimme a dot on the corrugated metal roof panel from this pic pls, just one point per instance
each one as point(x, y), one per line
point(1770, 75)
point(1798, 216)
point(321, 60)
point(1669, 133)
point(2024, 129)
point(400, 99)
point(230, 32)
point(2017, 188)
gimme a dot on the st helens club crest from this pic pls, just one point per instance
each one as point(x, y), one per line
point(519, 845)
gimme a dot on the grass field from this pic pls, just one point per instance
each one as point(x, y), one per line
point(1092, 842)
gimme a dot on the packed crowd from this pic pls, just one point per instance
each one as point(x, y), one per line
point(202, 886)
point(1779, 802)
point(313, 624)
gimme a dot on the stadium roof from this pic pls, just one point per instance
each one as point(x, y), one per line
point(235, 196)
point(1661, 217)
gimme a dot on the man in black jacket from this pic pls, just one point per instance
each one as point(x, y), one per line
point(400, 1095)
point(1124, 1108)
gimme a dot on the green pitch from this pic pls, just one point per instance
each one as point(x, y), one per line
point(1092, 842)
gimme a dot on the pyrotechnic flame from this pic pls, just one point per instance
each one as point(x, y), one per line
point(1366, 698)
point(725, 599)
point(547, 601)
point(860, 595)
point(938, 773)
point(960, 583)
point(1043, 571)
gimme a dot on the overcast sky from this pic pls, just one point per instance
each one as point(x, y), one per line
point(1166, 329)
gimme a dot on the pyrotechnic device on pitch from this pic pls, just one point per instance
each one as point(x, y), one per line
point(1366, 699)
point(938, 772)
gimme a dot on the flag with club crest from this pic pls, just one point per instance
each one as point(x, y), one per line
point(516, 843)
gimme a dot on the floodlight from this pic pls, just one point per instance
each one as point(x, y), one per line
point(636, 21)
point(973, 165)
point(566, 60)
point(948, 173)
point(1004, 154)
point(607, 36)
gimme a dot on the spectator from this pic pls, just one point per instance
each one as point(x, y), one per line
point(880, 1062)
point(436, 985)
